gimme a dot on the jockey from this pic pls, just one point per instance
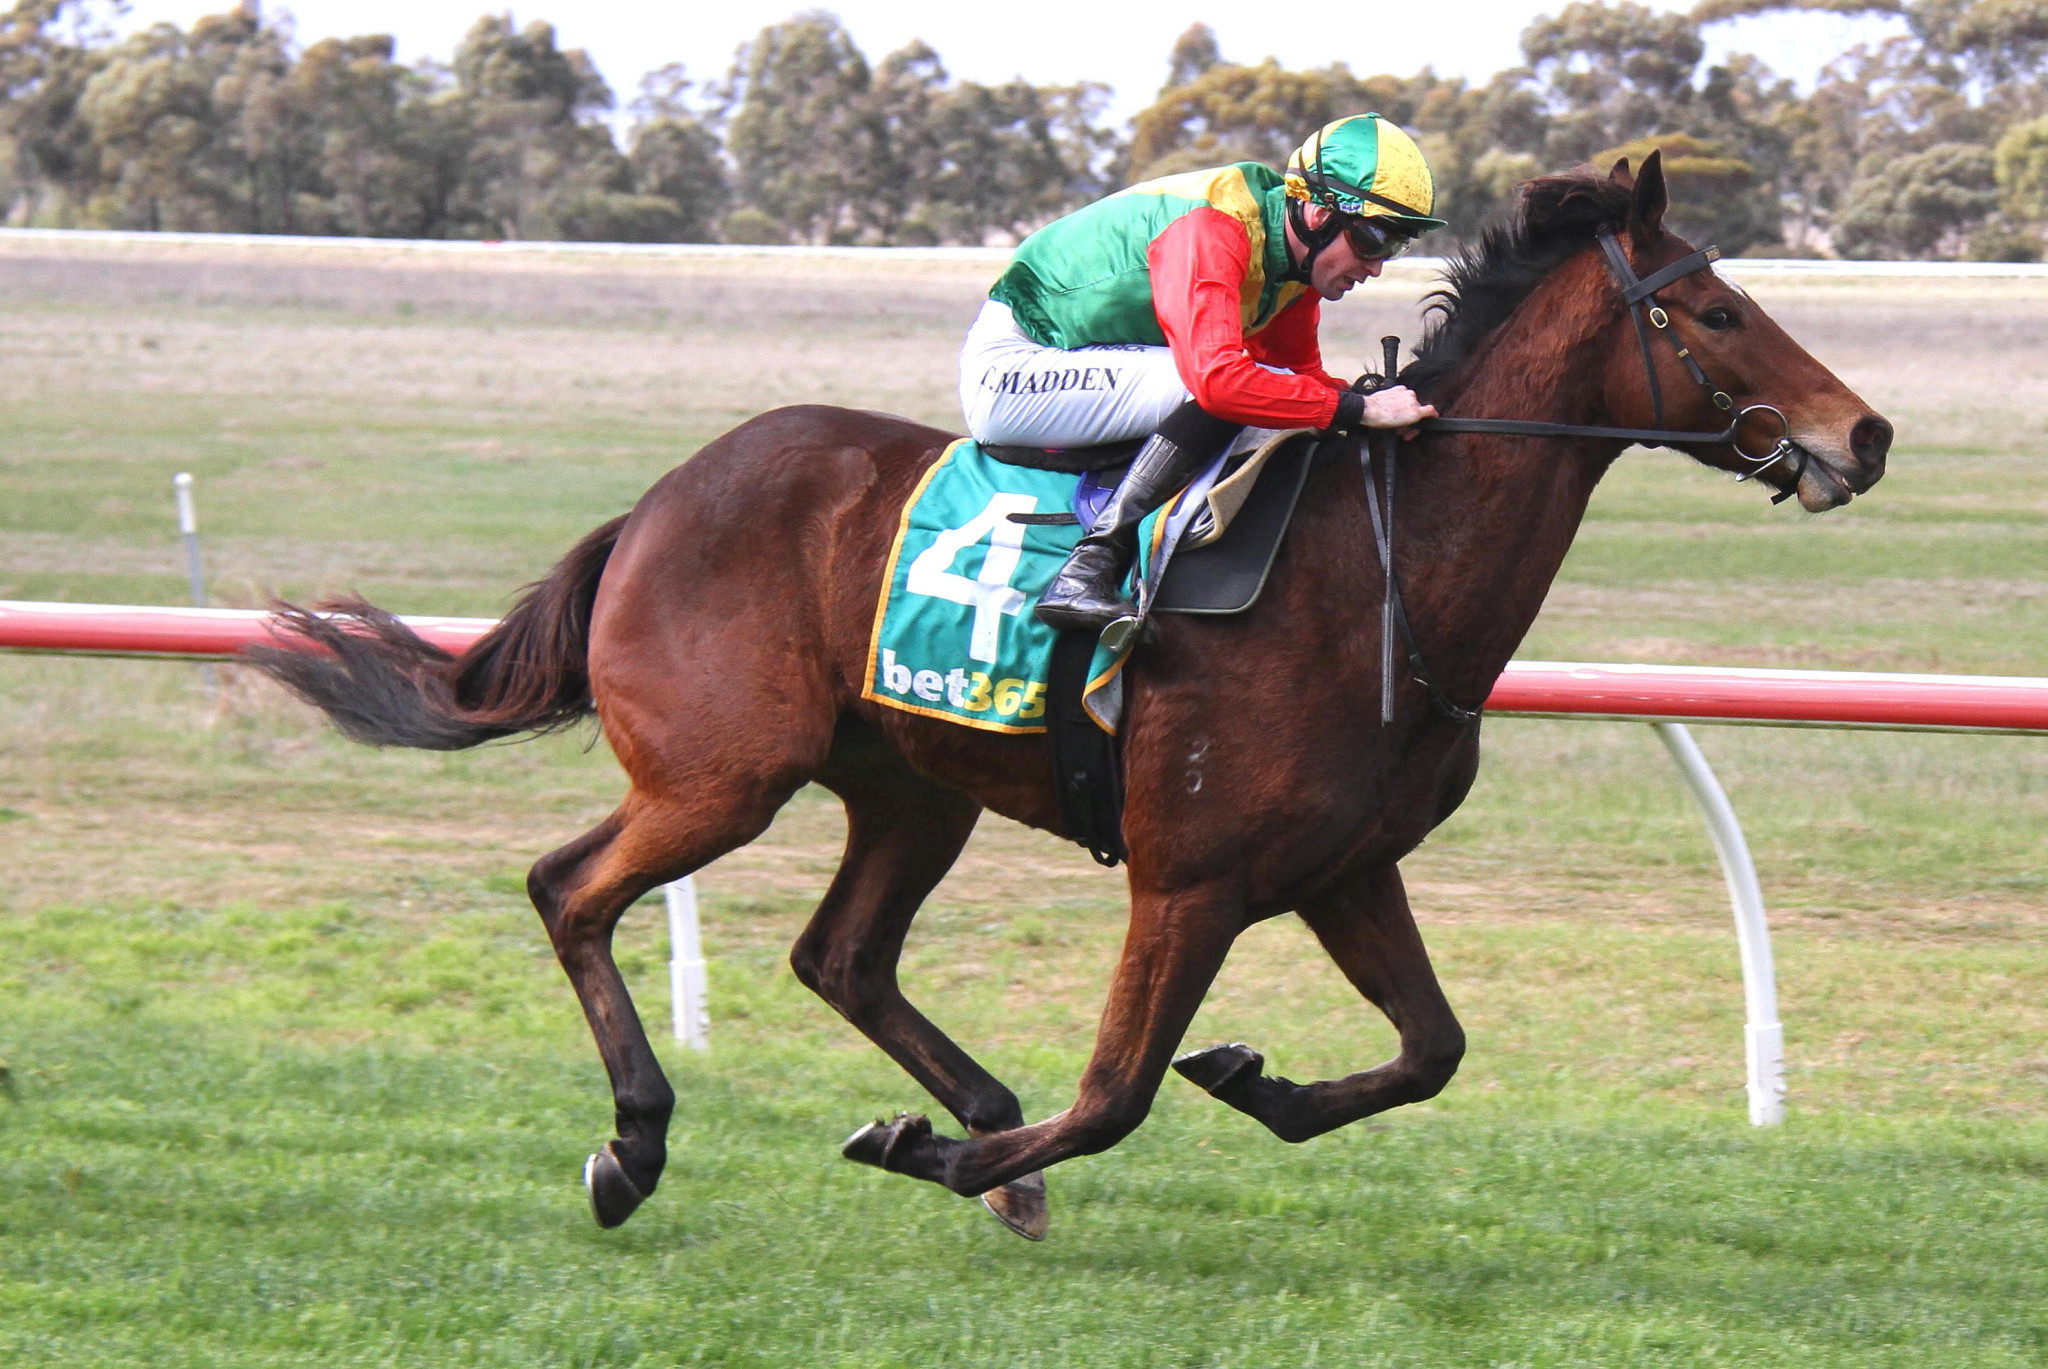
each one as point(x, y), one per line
point(1186, 308)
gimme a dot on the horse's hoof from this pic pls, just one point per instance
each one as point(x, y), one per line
point(1020, 1205)
point(1219, 1067)
point(877, 1143)
point(612, 1195)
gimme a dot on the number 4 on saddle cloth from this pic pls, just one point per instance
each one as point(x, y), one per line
point(954, 635)
point(979, 540)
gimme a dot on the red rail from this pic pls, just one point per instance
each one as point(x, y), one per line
point(1556, 689)
point(129, 630)
point(1782, 698)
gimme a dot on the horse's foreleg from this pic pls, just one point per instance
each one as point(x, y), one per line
point(903, 834)
point(1175, 945)
point(1368, 930)
point(581, 890)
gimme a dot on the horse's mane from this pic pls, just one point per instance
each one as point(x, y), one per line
point(1554, 217)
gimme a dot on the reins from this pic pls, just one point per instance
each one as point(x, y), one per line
point(1393, 613)
point(1639, 294)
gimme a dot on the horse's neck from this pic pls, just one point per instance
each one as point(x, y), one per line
point(1486, 521)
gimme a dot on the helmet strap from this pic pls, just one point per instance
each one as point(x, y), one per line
point(1313, 240)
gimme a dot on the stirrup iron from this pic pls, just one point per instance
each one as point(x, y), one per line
point(1122, 632)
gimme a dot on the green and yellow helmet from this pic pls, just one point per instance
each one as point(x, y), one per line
point(1365, 166)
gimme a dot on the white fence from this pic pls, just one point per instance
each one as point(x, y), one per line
point(993, 256)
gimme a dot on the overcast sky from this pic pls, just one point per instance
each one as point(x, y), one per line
point(1047, 41)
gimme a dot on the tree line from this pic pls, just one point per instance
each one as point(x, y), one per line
point(1932, 143)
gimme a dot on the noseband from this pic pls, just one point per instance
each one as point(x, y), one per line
point(1639, 294)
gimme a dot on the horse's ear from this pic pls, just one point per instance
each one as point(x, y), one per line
point(1648, 201)
point(1619, 173)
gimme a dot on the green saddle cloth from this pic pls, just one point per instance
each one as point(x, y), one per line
point(954, 635)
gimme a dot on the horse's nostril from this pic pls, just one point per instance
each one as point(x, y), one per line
point(1870, 439)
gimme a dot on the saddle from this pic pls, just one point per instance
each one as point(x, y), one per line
point(1225, 546)
point(1220, 550)
point(1067, 460)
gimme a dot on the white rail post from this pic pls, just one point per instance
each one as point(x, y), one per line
point(686, 978)
point(1763, 1037)
point(188, 529)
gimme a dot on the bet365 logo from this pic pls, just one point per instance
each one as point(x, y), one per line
point(970, 691)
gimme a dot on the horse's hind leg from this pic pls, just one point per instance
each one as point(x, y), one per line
point(1176, 943)
point(903, 833)
point(1368, 930)
point(581, 890)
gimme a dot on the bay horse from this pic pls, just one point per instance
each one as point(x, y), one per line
point(719, 632)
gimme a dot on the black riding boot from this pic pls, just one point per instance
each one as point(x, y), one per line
point(1085, 594)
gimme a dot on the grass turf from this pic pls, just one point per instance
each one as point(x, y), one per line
point(263, 1136)
point(290, 1078)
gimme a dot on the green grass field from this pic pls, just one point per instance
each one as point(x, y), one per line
point(288, 1076)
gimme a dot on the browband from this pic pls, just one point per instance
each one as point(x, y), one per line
point(1678, 270)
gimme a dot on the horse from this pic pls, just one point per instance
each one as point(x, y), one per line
point(719, 633)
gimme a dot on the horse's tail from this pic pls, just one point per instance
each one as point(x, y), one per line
point(382, 683)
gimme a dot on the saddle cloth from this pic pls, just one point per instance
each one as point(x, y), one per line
point(954, 636)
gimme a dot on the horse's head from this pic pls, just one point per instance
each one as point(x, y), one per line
point(1831, 445)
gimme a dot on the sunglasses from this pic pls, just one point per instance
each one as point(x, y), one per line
point(1372, 242)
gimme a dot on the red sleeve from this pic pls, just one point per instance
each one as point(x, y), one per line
point(1290, 340)
point(1197, 265)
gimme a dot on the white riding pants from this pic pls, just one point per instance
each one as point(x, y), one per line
point(1016, 392)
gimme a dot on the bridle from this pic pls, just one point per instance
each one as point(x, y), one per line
point(1639, 294)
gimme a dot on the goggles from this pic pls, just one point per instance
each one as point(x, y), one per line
point(1371, 240)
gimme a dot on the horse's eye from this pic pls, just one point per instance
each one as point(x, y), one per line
point(1718, 318)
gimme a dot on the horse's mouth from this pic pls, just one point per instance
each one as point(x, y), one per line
point(1822, 485)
